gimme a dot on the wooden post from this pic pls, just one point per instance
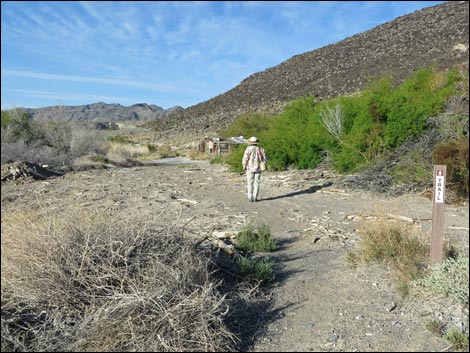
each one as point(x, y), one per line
point(438, 202)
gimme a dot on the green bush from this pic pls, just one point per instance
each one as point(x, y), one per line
point(20, 126)
point(458, 339)
point(99, 158)
point(247, 125)
point(256, 269)
point(255, 240)
point(121, 139)
point(152, 147)
point(382, 117)
point(234, 159)
point(297, 137)
point(407, 107)
point(7, 119)
point(375, 122)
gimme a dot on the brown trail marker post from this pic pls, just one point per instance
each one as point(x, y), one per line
point(438, 202)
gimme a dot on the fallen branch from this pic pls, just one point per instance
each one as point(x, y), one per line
point(459, 228)
point(389, 215)
point(229, 249)
point(225, 234)
point(401, 218)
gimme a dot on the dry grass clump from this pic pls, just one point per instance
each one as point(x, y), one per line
point(128, 150)
point(396, 244)
point(198, 155)
point(93, 283)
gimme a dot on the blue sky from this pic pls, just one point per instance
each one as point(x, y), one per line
point(163, 52)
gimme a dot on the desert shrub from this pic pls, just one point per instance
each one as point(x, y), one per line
point(413, 168)
point(165, 151)
point(393, 244)
point(20, 151)
point(17, 151)
point(17, 124)
point(373, 122)
point(234, 159)
point(81, 143)
point(449, 279)
point(216, 160)
point(436, 327)
point(95, 283)
point(7, 119)
point(451, 126)
point(289, 139)
point(45, 142)
point(247, 125)
point(256, 270)
point(120, 139)
point(382, 117)
point(297, 137)
point(407, 107)
point(358, 134)
point(152, 147)
point(454, 154)
point(458, 339)
point(255, 239)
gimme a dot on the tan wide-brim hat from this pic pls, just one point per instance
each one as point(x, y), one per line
point(253, 141)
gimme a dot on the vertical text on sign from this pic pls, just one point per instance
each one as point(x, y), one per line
point(439, 185)
point(437, 232)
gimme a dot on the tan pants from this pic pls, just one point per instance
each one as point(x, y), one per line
point(253, 181)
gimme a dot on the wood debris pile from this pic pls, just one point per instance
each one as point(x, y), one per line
point(21, 171)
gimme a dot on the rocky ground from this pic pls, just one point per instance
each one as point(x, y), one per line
point(319, 302)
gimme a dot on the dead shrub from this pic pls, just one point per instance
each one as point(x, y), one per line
point(53, 143)
point(81, 282)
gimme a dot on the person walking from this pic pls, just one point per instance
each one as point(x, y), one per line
point(253, 161)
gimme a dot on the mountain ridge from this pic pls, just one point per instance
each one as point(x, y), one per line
point(435, 36)
point(101, 112)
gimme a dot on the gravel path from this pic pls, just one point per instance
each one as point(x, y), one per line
point(320, 303)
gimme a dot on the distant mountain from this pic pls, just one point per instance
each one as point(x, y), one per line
point(102, 112)
point(435, 36)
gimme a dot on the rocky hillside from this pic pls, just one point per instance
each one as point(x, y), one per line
point(101, 112)
point(435, 36)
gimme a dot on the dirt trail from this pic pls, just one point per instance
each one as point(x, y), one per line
point(320, 303)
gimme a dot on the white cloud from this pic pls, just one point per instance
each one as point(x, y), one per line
point(73, 97)
point(73, 78)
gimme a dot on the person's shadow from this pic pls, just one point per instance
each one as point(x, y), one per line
point(310, 190)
